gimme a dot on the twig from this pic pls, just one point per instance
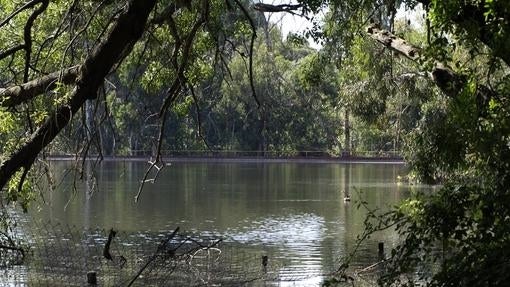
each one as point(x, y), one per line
point(106, 250)
point(19, 10)
point(368, 268)
point(161, 247)
point(199, 120)
point(252, 43)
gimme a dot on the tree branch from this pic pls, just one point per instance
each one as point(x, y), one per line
point(27, 36)
point(450, 82)
point(188, 44)
point(174, 90)
point(445, 78)
point(28, 5)
point(495, 35)
point(164, 15)
point(11, 51)
point(15, 95)
point(127, 29)
point(393, 42)
point(263, 7)
point(252, 43)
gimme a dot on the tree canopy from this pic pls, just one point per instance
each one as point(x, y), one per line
point(112, 77)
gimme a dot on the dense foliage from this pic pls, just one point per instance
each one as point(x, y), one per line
point(457, 236)
point(117, 77)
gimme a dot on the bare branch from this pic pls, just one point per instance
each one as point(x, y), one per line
point(393, 42)
point(263, 7)
point(161, 248)
point(252, 43)
point(28, 5)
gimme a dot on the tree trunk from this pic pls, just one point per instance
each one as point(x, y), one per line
point(126, 30)
point(347, 133)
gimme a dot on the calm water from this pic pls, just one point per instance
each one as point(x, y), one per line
point(293, 212)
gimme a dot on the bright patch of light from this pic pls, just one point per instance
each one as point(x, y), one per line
point(289, 23)
point(415, 17)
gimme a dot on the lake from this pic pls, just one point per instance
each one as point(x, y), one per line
point(294, 213)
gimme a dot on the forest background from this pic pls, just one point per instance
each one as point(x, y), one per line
point(115, 77)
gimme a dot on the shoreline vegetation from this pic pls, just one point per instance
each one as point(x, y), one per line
point(243, 158)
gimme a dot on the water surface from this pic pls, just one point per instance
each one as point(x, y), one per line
point(293, 212)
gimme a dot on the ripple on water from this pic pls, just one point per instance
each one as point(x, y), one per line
point(295, 239)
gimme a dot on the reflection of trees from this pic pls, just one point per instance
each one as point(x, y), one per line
point(297, 206)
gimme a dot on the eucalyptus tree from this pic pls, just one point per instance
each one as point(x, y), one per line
point(295, 115)
point(63, 58)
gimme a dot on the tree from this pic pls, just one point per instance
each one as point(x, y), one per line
point(460, 141)
point(104, 37)
point(126, 30)
point(60, 59)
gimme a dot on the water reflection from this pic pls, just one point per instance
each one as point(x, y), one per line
point(294, 213)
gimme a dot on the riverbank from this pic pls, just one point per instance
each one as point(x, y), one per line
point(170, 159)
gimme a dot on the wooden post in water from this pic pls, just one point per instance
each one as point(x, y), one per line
point(381, 249)
point(92, 278)
point(264, 263)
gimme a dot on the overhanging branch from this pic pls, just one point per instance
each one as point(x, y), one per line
point(450, 82)
point(393, 42)
point(263, 7)
point(26, 6)
point(473, 14)
point(252, 43)
point(445, 78)
point(15, 95)
point(174, 90)
point(127, 29)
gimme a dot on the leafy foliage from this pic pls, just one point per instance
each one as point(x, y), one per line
point(191, 82)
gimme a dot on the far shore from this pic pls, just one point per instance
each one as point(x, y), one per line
point(170, 159)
